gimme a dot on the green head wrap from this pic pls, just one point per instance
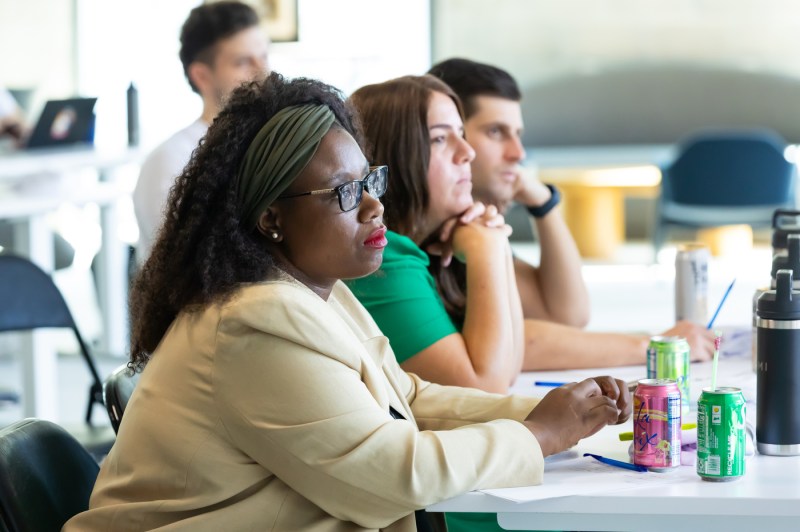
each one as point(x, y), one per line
point(277, 154)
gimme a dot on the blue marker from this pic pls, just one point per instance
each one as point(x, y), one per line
point(617, 463)
point(550, 384)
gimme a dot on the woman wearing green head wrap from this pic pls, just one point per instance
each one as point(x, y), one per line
point(269, 399)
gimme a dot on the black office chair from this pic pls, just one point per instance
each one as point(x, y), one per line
point(29, 299)
point(46, 477)
point(117, 392)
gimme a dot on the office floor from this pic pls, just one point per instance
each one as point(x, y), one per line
point(629, 294)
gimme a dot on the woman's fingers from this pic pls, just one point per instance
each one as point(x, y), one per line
point(617, 391)
point(447, 229)
point(609, 386)
point(602, 412)
point(443, 250)
point(447, 258)
point(474, 212)
point(586, 388)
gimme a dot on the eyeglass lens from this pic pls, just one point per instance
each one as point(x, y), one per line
point(350, 194)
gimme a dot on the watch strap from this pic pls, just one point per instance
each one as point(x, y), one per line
point(542, 210)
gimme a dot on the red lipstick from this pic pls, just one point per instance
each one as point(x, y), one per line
point(377, 239)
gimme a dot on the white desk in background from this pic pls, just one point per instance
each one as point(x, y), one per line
point(766, 498)
point(27, 211)
point(601, 155)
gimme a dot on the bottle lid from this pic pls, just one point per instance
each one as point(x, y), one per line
point(790, 261)
point(783, 303)
point(782, 229)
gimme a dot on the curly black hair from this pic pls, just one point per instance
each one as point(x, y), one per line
point(203, 250)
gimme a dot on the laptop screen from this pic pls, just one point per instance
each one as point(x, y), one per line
point(64, 123)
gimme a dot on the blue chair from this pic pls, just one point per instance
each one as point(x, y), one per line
point(725, 178)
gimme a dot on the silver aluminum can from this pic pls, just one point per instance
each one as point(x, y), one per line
point(691, 283)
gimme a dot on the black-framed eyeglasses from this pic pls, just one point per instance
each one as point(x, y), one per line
point(350, 193)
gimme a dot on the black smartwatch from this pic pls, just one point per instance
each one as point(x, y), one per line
point(542, 210)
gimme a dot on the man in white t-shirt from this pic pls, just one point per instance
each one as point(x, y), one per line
point(222, 46)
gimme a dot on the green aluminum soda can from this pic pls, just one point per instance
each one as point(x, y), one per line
point(721, 434)
point(668, 358)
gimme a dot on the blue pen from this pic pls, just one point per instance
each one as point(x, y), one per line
point(551, 384)
point(719, 307)
point(617, 463)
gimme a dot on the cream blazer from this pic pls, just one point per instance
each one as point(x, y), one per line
point(271, 412)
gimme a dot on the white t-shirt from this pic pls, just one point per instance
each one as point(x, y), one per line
point(156, 178)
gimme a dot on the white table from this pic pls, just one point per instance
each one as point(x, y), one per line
point(28, 210)
point(766, 498)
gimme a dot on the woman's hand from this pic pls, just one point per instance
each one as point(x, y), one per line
point(577, 410)
point(701, 340)
point(479, 215)
point(617, 390)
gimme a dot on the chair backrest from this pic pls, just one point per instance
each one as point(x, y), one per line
point(46, 477)
point(29, 299)
point(117, 391)
point(730, 169)
point(33, 296)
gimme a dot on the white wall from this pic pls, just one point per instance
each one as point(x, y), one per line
point(538, 40)
point(346, 43)
point(122, 41)
point(350, 43)
point(36, 40)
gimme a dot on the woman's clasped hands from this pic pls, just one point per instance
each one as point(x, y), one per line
point(478, 226)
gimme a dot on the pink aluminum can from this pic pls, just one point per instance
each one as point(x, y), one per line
point(657, 424)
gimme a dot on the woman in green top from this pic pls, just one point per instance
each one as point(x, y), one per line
point(414, 124)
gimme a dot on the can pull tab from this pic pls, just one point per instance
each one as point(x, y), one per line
point(783, 285)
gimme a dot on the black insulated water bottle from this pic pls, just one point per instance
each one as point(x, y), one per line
point(778, 369)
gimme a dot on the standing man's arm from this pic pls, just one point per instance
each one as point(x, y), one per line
point(554, 291)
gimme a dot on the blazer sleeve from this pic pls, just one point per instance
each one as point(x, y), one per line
point(308, 417)
point(438, 407)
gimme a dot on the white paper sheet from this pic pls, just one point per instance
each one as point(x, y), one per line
point(585, 476)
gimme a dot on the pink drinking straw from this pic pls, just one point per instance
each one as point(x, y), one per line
point(717, 341)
